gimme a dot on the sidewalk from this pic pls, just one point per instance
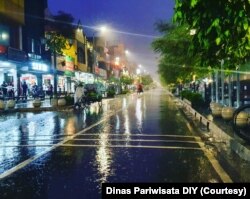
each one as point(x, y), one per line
point(45, 106)
point(216, 131)
point(28, 107)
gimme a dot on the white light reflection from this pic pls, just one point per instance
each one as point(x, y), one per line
point(126, 126)
point(124, 103)
point(103, 158)
point(70, 127)
point(8, 153)
point(38, 135)
point(104, 155)
point(138, 114)
point(117, 124)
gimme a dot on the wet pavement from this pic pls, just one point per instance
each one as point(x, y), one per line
point(136, 138)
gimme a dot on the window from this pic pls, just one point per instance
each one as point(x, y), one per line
point(81, 55)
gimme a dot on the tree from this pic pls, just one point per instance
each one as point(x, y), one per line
point(146, 79)
point(176, 63)
point(59, 29)
point(126, 80)
point(221, 29)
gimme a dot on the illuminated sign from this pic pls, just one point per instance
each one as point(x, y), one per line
point(69, 63)
point(39, 66)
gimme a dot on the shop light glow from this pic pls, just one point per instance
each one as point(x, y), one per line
point(39, 66)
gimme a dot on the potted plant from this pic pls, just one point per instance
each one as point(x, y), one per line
point(36, 102)
point(11, 103)
point(227, 113)
point(2, 105)
point(111, 91)
point(61, 101)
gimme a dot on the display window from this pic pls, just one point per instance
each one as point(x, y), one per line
point(47, 80)
point(29, 78)
point(61, 83)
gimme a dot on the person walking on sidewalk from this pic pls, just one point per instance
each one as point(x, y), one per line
point(50, 90)
point(4, 88)
point(25, 89)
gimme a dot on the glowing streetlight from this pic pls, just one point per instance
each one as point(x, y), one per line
point(103, 29)
point(117, 61)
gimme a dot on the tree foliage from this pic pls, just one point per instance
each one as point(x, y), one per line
point(222, 29)
point(146, 79)
point(127, 80)
point(176, 63)
point(59, 29)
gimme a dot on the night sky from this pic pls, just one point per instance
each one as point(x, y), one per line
point(132, 22)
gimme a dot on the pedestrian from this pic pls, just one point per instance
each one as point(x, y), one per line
point(4, 88)
point(50, 90)
point(139, 88)
point(25, 88)
point(79, 93)
point(10, 90)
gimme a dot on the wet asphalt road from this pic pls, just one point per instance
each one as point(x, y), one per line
point(69, 155)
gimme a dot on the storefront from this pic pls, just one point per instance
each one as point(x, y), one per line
point(10, 61)
point(35, 73)
point(65, 74)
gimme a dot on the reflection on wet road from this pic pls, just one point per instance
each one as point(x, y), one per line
point(129, 139)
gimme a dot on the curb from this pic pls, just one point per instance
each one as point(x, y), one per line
point(40, 109)
point(217, 133)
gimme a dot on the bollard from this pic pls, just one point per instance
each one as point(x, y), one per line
point(208, 126)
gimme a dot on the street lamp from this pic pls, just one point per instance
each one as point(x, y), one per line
point(56, 44)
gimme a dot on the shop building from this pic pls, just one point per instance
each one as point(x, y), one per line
point(12, 56)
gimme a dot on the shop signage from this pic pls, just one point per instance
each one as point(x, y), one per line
point(69, 63)
point(69, 73)
point(3, 49)
point(34, 56)
point(39, 66)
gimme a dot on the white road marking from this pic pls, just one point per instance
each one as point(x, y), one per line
point(132, 146)
point(109, 146)
point(111, 140)
point(216, 165)
point(153, 135)
point(28, 161)
point(96, 139)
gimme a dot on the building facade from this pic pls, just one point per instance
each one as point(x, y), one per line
point(12, 56)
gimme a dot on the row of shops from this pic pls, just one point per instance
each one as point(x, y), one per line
point(17, 70)
point(17, 67)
